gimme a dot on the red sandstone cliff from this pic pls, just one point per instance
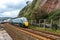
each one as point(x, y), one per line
point(51, 5)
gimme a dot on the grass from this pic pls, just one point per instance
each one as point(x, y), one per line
point(45, 29)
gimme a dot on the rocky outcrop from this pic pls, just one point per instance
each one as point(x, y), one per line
point(39, 8)
point(58, 5)
point(50, 5)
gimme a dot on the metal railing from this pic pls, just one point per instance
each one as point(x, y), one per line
point(46, 23)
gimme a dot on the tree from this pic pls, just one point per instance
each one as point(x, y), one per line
point(28, 2)
point(39, 14)
point(54, 14)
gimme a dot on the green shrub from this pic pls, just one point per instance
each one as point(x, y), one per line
point(54, 14)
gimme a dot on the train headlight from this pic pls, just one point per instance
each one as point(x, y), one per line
point(26, 23)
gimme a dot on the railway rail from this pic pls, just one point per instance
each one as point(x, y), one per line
point(52, 36)
point(24, 31)
point(44, 34)
point(37, 34)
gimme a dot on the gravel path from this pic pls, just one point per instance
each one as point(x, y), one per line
point(4, 35)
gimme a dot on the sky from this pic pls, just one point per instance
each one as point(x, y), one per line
point(11, 8)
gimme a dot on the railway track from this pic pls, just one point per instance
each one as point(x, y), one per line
point(44, 34)
point(52, 36)
point(37, 34)
point(16, 32)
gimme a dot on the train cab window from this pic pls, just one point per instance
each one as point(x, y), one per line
point(24, 19)
point(21, 20)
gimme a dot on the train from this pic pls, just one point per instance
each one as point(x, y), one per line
point(23, 22)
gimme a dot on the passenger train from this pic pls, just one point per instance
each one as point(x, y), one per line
point(23, 22)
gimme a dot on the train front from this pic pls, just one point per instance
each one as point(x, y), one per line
point(25, 21)
point(26, 24)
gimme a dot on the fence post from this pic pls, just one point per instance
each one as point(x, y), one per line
point(44, 23)
point(59, 22)
point(35, 22)
point(39, 23)
point(51, 22)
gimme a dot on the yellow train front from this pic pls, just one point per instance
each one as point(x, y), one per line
point(22, 22)
point(26, 24)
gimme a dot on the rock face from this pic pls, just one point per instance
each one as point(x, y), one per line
point(58, 5)
point(39, 8)
point(50, 5)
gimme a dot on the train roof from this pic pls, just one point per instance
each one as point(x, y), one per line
point(23, 18)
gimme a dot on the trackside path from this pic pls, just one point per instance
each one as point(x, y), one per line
point(4, 35)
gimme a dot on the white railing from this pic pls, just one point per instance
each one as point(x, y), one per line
point(45, 23)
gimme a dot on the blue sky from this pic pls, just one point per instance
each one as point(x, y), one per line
point(11, 8)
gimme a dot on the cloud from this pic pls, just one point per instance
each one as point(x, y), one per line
point(10, 8)
point(10, 13)
point(7, 5)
